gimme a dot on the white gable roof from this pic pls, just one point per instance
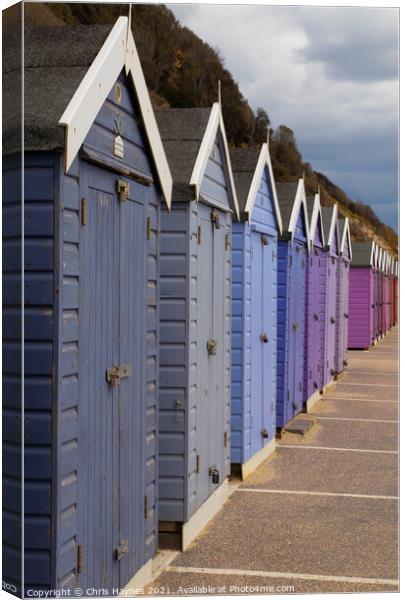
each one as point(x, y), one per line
point(215, 123)
point(346, 233)
point(263, 160)
point(300, 200)
point(117, 52)
point(316, 212)
point(333, 226)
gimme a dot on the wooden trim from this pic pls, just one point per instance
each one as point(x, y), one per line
point(263, 160)
point(118, 50)
point(215, 121)
point(312, 227)
point(300, 198)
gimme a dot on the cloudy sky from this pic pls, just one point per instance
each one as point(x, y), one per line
point(331, 74)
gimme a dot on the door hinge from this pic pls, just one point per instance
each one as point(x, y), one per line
point(84, 211)
point(79, 558)
point(197, 463)
point(199, 234)
point(225, 439)
point(145, 507)
point(227, 242)
point(123, 189)
point(115, 374)
point(288, 395)
point(273, 256)
point(290, 260)
point(148, 228)
point(121, 550)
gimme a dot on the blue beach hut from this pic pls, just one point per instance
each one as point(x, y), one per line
point(195, 321)
point(292, 258)
point(254, 309)
point(95, 176)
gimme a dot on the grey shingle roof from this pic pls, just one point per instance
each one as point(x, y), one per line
point(327, 213)
point(341, 225)
point(182, 131)
point(361, 254)
point(310, 207)
point(55, 61)
point(244, 162)
point(286, 192)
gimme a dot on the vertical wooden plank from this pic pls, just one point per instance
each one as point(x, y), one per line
point(204, 333)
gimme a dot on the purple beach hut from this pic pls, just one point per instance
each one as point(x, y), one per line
point(331, 230)
point(316, 305)
point(361, 295)
point(343, 294)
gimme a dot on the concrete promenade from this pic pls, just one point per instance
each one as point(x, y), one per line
point(319, 515)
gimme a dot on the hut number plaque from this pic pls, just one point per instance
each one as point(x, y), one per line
point(118, 141)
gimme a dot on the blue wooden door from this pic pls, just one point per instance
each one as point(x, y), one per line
point(295, 390)
point(111, 413)
point(210, 352)
point(270, 326)
point(257, 346)
point(262, 329)
point(299, 303)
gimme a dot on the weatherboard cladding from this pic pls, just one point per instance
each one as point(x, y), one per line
point(291, 309)
point(195, 305)
point(362, 296)
point(55, 368)
point(254, 284)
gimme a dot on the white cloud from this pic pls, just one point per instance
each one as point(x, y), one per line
point(329, 73)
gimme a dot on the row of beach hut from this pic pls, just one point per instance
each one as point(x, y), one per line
point(373, 298)
point(180, 308)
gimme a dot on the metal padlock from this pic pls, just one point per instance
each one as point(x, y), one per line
point(214, 474)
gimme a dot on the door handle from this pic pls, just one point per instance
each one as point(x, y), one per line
point(264, 338)
point(332, 320)
point(316, 317)
point(295, 326)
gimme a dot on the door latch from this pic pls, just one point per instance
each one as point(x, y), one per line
point(115, 374)
point(123, 189)
point(333, 320)
point(264, 338)
point(121, 550)
point(316, 317)
point(264, 433)
point(215, 220)
point(295, 326)
point(265, 240)
point(212, 346)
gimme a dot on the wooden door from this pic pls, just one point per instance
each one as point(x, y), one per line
point(111, 373)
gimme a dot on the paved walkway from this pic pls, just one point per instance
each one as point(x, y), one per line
point(320, 515)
